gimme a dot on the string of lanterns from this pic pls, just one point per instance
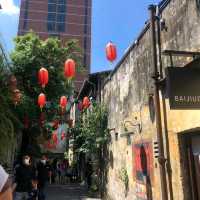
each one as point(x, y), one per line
point(69, 73)
point(43, 78)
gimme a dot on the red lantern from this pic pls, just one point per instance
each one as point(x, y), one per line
point(41, 100)
point(86, 102)
point(111, 52)
point(63, 102)
point(70, 68)
point(43, 77)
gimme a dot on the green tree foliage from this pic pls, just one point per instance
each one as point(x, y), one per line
point(91, 130)
point(9, 123)
point(30, 54)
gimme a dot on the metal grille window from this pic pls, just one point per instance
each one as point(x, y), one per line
point(52, 1)
point(60, 8)
point(51, 17)
point(61, 1)
point(51, 26)
point(61, 27)
point(51, 7)
point(60, 17)
point(56, 15)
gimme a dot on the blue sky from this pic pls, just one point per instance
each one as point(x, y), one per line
point(118, 21)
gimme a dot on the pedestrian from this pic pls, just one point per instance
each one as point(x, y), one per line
point(24, 174)
point(89, 173)
point(42, 172)
point(5, 185)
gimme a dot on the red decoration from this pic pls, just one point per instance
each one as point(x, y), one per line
point(111, 51)
point(70, 68)
point(55, 138)
point(63, 102)
point(43, 77)
point(86, 102)
point(41, 100)
point(63, 136)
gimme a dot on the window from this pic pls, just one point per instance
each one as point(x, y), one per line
point(56, 15)
point(51, 26)
point(51, 17)
point(61, 27)
point(52, 1)
point(61, 1)
point(61, 9)
point(51, 7)
point(60, 17)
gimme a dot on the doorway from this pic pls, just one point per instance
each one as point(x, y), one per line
point(192, 155)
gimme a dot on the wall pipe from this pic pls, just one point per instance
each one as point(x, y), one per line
point(168, 164)
point(156, 76)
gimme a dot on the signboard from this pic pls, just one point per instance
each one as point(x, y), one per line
point(57, 144)
point(143, 168)
point(183, 87)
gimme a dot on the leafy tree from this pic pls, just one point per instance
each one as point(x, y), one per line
point(91, 131)
point(30, 54)
point(9, 123)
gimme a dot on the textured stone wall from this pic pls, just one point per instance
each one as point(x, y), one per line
point(127, 93)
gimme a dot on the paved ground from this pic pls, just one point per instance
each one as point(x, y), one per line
point(67, 192)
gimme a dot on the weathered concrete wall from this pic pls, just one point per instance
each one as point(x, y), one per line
point(127, 93)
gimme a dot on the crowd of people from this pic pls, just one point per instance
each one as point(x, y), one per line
point(31, 177)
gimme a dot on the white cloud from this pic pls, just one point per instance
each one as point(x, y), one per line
point(8, 7)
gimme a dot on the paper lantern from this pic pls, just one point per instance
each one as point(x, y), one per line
point(63, 102)
point(69, 70)
point(86, 102)
point(43, 77)
point(111, 52)
point(41, 100)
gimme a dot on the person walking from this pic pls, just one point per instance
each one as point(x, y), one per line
point(24, 174)
point(5, 185)
point(42, 172)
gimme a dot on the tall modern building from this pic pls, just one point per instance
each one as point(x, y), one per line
point(65, 19)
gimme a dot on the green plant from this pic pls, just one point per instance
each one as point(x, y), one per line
point(91, 130)
point(123, 175)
